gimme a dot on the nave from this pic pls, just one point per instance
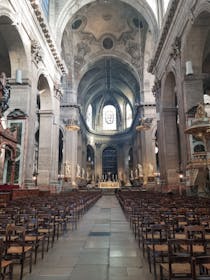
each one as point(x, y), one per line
point(102, 248)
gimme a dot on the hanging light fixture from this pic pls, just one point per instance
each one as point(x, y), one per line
point(72, 124)
point(144, 124)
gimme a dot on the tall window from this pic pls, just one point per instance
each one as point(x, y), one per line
point(89, 116)
point(45, 7)
point(128, 115)
point(109, 118)
point(166, 2)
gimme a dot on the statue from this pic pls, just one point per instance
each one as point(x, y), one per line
point(200, 112)
point(78, 171)
point(83, 173)
point(140, 170)
point(131, 175)
point(67, 169)
point(150, 170)
point(136, 173)
point(4, 92)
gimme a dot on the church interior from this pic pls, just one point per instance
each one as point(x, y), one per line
point(121, 90)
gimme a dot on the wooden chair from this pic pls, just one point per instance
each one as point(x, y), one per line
point(16, 247)
point(201, 268)
point(197, 234)
point(47, 228)
point(6, 266)
point(157, 250)
point(34, 238)
point(179, 264)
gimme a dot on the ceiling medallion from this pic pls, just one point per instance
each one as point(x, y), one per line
point(108, 43)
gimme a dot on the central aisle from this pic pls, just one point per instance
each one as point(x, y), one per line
point(102, 248)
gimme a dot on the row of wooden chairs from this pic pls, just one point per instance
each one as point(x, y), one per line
point(160, 220)
point(32, 225)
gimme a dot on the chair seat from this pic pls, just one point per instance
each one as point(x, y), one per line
point(177, 268)
point(13, 238)
point(5, 263)
point(45, 230)
point(196, 248)
point(159, 247)
point(180, 236)
point(207, 236)
point(31, 238)
point(206, 266)
point(149, 236)
point(18, 249)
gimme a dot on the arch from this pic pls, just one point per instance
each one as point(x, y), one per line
point(60, 151)
point(195, 40)
point(12, 47)
point(72, 8)
point(90, 163)
point(130, 160)
point(109, 163)
point(44, 93)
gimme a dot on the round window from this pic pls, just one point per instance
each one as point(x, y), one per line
point(76, 24)
point(108, 43)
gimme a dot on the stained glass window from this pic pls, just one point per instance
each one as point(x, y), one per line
point(89, 117)
point(109, 118)
point(128, 116)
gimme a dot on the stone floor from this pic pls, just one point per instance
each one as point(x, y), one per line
point(102, 248)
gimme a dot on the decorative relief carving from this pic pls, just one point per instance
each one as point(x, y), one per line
point(4, 93)
point(176, 48)
point(126, 37)
point(36, 51)
point(82, 50)
point(58, 91)
point(156, 90)
point(88, 37)
point(133, 50)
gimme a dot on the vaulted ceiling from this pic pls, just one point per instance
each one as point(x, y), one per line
point(103, 46)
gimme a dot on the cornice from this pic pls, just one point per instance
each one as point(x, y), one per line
point(164, 33)
point(45, 29)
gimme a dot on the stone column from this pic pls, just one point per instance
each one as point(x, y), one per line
point(98, 160)
point(170, 145)
point(45, 158)
point(126, 174)
point(70, 147)
point(55, 139)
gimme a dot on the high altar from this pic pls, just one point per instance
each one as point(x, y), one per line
point(109, 185)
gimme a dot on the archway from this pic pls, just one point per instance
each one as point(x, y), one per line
point(90, 163)
point(109, 163)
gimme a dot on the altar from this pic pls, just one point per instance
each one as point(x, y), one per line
point(109, 185)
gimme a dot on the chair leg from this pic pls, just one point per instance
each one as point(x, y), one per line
point(30, 264)
point(11, 271)
point(43, 242)
point(22, 265)
point(149, 259)
point(161, 273)
point(35, 253)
